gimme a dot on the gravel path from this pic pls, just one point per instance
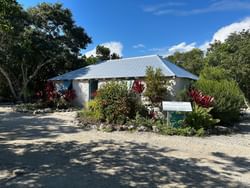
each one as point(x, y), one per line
point(50, 151)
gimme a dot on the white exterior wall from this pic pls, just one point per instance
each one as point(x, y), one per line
point(181, 83)
point(101, 83)
point(81, 88)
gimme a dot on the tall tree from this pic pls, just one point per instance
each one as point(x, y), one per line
point(114, 56)
point(234, 56)
point(12, 24)
point(102, 53)
point(50, 39)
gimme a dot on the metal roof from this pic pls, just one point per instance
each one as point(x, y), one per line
point(126, 68)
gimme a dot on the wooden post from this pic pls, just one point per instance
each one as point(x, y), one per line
point(168, 118)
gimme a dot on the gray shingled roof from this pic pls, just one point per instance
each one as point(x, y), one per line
point(126, 68)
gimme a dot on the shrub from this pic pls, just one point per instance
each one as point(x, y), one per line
point(215, 73)
point(156, 85)
point(181, 131)
point(200, 118)
point(228, 98)
point(116, 104)
point(87, 117)
point(139, 120)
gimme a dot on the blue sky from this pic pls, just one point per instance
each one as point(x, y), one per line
point(136, 27)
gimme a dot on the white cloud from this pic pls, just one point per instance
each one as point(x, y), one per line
point(114, 46)
point(139, 46)
point(204, 46)
point(181, 47)
point(158, 50)
point(224, 32)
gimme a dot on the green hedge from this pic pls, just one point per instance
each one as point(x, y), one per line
point(227, 96)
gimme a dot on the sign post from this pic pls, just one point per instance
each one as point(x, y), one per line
point(174, 106)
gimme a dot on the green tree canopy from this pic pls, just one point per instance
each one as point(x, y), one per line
point(215, 73)
point(234, 56)
point(102, 53)
point(49, 43)
point(192, 61)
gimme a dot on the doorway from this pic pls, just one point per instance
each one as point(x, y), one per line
point(93, 86)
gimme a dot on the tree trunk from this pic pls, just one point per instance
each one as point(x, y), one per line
point(27, 79)
point(25, 84)
point(24, 91)
point(5, 74)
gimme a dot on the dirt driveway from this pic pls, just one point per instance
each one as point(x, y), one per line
point(49, 151)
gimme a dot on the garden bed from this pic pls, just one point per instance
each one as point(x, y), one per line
point(157, 128)
point(36, 108)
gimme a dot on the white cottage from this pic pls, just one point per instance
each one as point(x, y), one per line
point(85, 81)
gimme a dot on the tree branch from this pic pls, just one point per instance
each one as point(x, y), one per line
point(5, 74)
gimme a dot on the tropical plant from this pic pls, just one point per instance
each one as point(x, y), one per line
point(200, 99)
point(138, 87)
point(200, 118)
point(53, 98)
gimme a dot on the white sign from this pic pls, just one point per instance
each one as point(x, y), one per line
point(176, 106)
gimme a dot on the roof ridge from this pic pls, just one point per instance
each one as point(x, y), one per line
point(178, 67)
point(163, 62)
point(136, 57)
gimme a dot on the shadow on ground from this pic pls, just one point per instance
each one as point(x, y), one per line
point(244, 124)
point(22, 126)
point(107, 164)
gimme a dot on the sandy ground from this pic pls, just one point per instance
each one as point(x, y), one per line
point(50, 151)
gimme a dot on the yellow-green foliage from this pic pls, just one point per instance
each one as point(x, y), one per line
point(94, 108)
point(200, 118)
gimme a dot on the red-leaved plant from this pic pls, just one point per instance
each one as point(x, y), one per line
point(138, 87)
point(52, 96)
point(69, 95)
point(200, 99)
point(50, 91)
